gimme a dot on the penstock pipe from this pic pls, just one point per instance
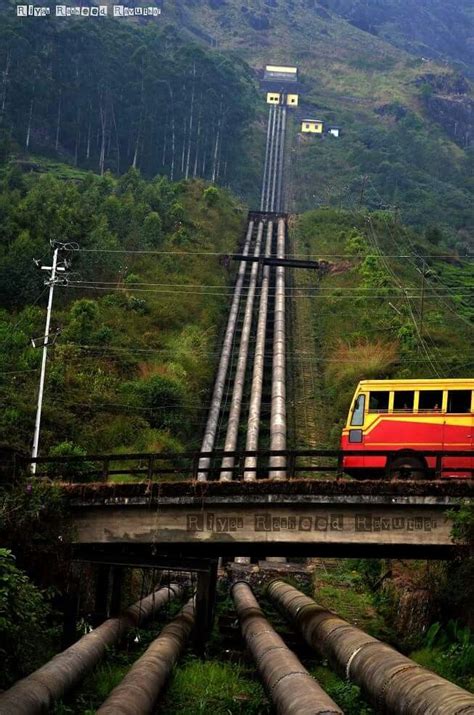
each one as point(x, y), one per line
point(289, 685)
point(37, 692)
point(389, 680)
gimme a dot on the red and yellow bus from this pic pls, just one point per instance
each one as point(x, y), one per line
point(410, 418)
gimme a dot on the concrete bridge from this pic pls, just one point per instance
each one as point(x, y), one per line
point(296, 517)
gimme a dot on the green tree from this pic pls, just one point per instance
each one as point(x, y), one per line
point(25, 635)
point(83, 321)
point(152, 230)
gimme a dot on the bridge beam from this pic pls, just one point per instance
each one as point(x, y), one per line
point(275, 519)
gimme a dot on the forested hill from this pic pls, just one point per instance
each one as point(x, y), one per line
point(430, 28)
point(105, 95)
point(406, 119)
point(138, 317)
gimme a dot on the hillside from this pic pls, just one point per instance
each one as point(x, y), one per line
point(104, 96)
point(372, 314)
point(429, 28)
point(138, 318)
point(151, 100)
point(406, 120)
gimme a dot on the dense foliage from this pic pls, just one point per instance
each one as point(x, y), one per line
point(404, 164)
point(24, 614)
point(391, 304)
point(137, 318)
point(109, 95)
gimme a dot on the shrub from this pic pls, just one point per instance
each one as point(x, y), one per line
point(211, 196)
point(84, 316)
point(364, 359)
point(24, 633)
point(162, 397)
point(70, 469)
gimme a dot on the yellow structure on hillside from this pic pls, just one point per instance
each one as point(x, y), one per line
point(312, 126)
point(273, 98)
point(291, 100)
point(281, 72)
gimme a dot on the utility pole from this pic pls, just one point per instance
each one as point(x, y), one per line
point(422, 301)
point(54, 269)
point(425, 271)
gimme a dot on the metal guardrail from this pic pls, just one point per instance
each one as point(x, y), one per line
point(167, 465)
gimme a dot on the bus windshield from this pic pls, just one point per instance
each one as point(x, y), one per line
point(358, 412)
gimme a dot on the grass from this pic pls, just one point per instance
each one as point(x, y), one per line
point(200, 688)
point(361, 325)
point(362, 359)
point(345, 694)
point(341, 588)
point(96, 688)
point(444, 662)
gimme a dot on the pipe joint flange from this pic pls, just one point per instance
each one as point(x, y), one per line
point(175, 589)
point(403, 669)
point(251, 636)
point(355, 653)
point(287, 675)
point(240, 580)
point(258, 659)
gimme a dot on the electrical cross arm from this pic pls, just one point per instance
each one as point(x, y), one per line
point(273, 261)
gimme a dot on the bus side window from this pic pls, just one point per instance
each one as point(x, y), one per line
point(459, 401)
point(403, 401)
point(430, 400)
point(378, 401)
point(357, 419)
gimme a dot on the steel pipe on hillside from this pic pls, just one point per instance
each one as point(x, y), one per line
point(219, 385)
point(393, 683)
point(140, 689)
point(279, 201)
point(278, 409)
point(267, 151)
point(276, 159)
point(289, 685)
point(253, 422)
point(233, 422)
point(37, 692)
point(271, 161)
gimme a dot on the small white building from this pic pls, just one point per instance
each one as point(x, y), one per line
point(334, 131)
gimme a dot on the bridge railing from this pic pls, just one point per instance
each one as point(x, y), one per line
point(172, 466)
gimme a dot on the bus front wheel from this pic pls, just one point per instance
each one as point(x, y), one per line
point(407, 466)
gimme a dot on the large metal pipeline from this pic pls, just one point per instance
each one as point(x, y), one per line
point(233, 422)
point(393, 683)
point(289, 685)
point(278, 409)
point(276, 155)
point(219, 385)
point(37, 692)
point(253, 422)
point(279, 200)
point(267, 153)
point(140, 689)
point(271, 161)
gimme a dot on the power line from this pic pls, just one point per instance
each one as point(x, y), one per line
point(223, 254)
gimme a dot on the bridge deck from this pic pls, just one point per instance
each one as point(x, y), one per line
point(304, 517)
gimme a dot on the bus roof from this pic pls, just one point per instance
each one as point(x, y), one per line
point(439, 382)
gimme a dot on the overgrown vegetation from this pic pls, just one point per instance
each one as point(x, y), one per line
point(113, 95)
point(449, 651)
point(25, 618)
point(343, 692)
point(137, 321)
point(406, 164)
point(199, 687)
point(390, 304)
